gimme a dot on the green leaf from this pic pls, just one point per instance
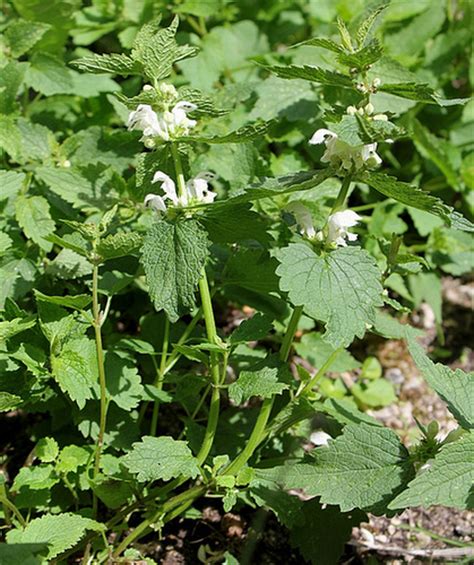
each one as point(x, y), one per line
point(161, 458)
point(435, 149)
point(362, 58)
point(33, 215)
point(11, 183)
point(316, 351)
point(60, 532)
point(123, 381)
point(323, 532)
point(25, 553)
point(47, 449)
point(245, 133)
point(77, 301)
point(75, 369)
point(323, 42)
point(365, 467)
point(174, 256)
point(11, 78)
point(263, 382)
point(119, 245)
point(9, 401)
point(35, 478)
point(314, 74)
point(22, 35)
point(253, 329)
point(447, 481)
point(156, 49)
point(55, 12)
point(275, 186)
point(456, 387)
point(48, 75)
point(374, 394)
point(341, 288)
point(10, 328)
point(231, 224)
point(114, 63)
point(70, 245)
point(407, 194)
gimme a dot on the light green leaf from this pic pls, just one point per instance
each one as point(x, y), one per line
point(48, 75)
point(75, 369)
point(77, 302)
point(341, 288)
point(174, 256)
point(263, 382)
point(123, 381)
point(10, 328)
point(33, 215)
point(447, 481)
point(374, 394)
point(54, 12)
point(22, 35)
point(11, 78)
point(161, 458)
point(35, 478)
point(407, 194)
point(114, 63)
point(365, 467)
point(314, 74)
point(456, 387)
point(9, 401)
point(60, 531)
point(245, 133)
point(47, 449)
point(119, 245)
point(316, 351)
point(11, 183)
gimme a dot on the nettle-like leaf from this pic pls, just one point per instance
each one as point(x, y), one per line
point(314, 74)
point(10, 328)
point(365, 467)
point(156, 49)
point(456, 387)
point(161, 458)
point(75, 301)
point(413, 196)
point(362, 58)
point(60, 532)
point(447, 481)
point(174, 256)
point(341, 288)
point(119, 245)
point(324, 531)
point(9, 401)
point(75, 369)
point(253, 329)
point(22, 35)
point(245, 133)
point(262, 381)
point(115, 63)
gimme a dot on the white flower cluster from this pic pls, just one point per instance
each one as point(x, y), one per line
point(337, 227)
point(169, 124)
point(340, 154)
point(197, 190)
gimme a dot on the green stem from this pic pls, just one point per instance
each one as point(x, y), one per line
point(179, 170)
point(215, 372)
point(100, 366)
point(258, 432)
point(14, 510)
point(210, 330)
point(341, 197)
point(160, 375)
point(325, 367)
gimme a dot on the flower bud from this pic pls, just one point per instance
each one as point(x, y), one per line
point(376, 82)
point(150, 143)
point(369, 109)
point(351, 110)
point(147, 88)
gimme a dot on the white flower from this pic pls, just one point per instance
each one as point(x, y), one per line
point(338, 225)
point(144, 118)
point(167, 125)
point(320, 438)
point(197, 189)
point(156, 202)
point(303, 218)
point(340, 154)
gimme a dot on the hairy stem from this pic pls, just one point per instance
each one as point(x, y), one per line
point(341, 197)
point(160, 376)
point(101, 367)
point(8, 504)
point(258, 432)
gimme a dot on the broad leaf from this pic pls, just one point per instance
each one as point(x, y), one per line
point(119, 244)
point(315, 74)
point(341, 288)
point(447, 481)
point(174, 256)
point(60, 532)
point(245, 133)
point(33, 215)
point(161, 458)
point(365, 467)
point(119, 64)
point(262, 381)
point(456, 387)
